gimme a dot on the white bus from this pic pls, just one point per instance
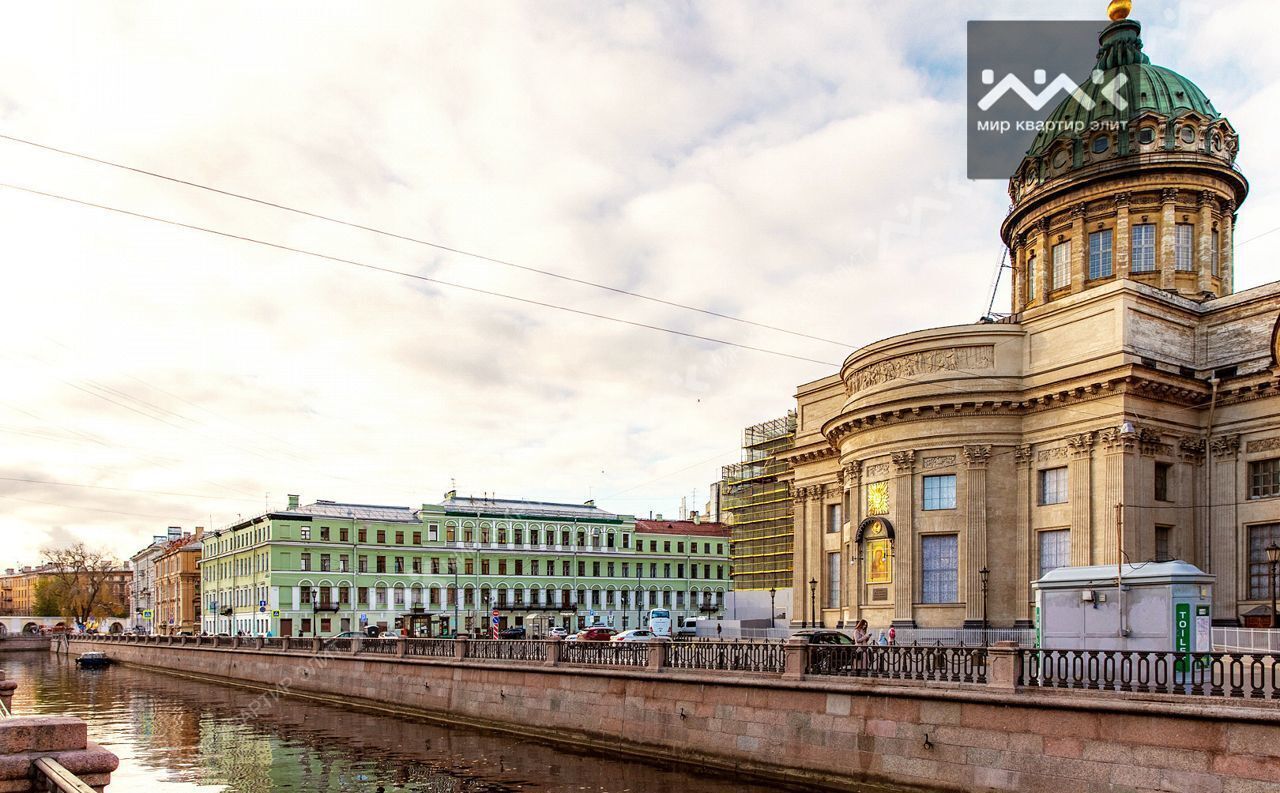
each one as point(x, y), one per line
point(660, 622)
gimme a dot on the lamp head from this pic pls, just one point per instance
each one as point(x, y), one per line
point(1273, 553)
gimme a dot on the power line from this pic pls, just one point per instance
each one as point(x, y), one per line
point(25, 480)
point(420, 241)
point(416, 276)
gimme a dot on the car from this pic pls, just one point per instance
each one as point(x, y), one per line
point(558, 632)
point(636, 635)
point(816, 636)
point(512, 633)
point(596, 633)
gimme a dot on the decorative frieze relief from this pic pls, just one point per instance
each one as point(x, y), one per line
point(876, 471)
point(904, 462)
point(977, 456)
point(1263, 445)
point(1052, 453)
point(949, 359)
point(942, 461)
point(1226, 446)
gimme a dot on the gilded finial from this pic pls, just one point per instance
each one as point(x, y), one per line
point(1119, 9)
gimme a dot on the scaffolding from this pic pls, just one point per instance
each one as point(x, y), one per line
point(758, 508)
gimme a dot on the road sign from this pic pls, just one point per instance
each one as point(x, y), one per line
point(275, 612)
point(495, 613)
point(262, 609)
point(364, 618)
point(262, 603)
point(148, 614)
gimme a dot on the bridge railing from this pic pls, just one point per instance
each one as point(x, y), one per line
point(1231, 674)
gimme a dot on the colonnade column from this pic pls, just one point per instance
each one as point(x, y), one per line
point(1016, 267)
point(851, 596)
point(975, 532)
point(1079, 251)
point(1121, 237)
point(1120, 488)
point(1080, 476)
point(1042, 261)
point(799, 553)
point(1226, 240)
point(1167, 262)
point(1206, 202)
point(1023, 535)
point(1223, 525)
point(903, 496)
point(814, 533)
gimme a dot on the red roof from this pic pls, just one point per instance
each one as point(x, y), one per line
point(704, 529)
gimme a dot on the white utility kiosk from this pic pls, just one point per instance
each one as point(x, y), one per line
point(1163, 606)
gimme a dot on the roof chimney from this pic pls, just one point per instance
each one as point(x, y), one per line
point(658, 516)
point(293, 501)
point(695, 517)
point(175, 532)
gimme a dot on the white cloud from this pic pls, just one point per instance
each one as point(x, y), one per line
point(798, 165)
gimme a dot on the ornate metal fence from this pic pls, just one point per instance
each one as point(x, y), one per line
point(732, 656)
point(378, 646)
point(507, 649)
point(1241, 675)
point(605, 653)
point(434, 648)
point(947, 664)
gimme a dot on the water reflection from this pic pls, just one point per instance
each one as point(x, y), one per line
point(179, 734)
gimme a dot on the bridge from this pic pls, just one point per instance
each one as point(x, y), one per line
point(942, 718)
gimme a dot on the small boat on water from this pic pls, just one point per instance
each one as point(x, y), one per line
point(93, 660)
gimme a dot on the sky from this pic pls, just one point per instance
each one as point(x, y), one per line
point(799, 165)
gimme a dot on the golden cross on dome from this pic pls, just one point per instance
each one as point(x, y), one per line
point(1119, 9)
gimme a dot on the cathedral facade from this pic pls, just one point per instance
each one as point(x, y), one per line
point(1126, 409)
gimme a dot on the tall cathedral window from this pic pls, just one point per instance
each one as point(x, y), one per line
point(1061, 265)
point(1214, 252)
point(1143, 248)
point(940, 563)
point(1182, 239)
point(1100, 254)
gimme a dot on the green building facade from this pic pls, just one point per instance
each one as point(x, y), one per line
point(328, 567)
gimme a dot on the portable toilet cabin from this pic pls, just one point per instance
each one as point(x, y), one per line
point(1160, 606)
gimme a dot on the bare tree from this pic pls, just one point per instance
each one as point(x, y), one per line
point(82, 580)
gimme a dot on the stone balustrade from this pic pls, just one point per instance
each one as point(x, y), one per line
point(62, 739)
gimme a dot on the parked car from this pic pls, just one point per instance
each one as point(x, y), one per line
point(559, 632)
point(596, 633)
point(817, 636)
point(637, 635)
point(512, 633)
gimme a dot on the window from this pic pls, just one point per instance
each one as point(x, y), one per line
point(939, 566)
point(1100, 254)
point(595, 569)
point(582, 569)
point(564, 568)
point(1143, 248)
point(306, 594)
point(435, 565)
point(417, 564)
point(1031, 278)
point(1214, 244)
point(940, 492)
point(1061, 265)
point(1182, 238)
point(533, 567)
point(381, 564)
point(666, 546)
point(382, 536)
point(324, 562)
point(417, 538)
point(833, 581)
point(433, 532)
point(1264, 478)
point(362, 594)
point(362, 535)
point(324, 533)
point(1055, 549)
point(484, 567)
point(450, 533)
point(306, 532)
point(344, 534)
point(878, 498)
point(502, 567)
point(834, 521)
point(305, 562)
point(344, 594)
point(1259, 569)
point(609, 570)
point(518, 535)
point(1053, 486)
point(519, 567)
point(533, 537)
point(626, 541)
point(362, 564)
point(1162, 481)
point(666, 570)
point(1162, 543)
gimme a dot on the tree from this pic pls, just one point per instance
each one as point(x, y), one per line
point(83, 582)
point(45, 602)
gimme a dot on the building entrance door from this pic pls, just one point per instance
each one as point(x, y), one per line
point(286, 627)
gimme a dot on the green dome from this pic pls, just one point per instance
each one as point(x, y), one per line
point(1147, 88)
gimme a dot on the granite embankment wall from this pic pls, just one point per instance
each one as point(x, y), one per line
point(836, 732)
point(17, 644)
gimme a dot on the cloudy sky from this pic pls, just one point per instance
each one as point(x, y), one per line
point(795, 164)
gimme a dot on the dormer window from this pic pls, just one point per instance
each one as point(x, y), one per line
point(1100, 144)
point(1147, 135)
point(1188, 134)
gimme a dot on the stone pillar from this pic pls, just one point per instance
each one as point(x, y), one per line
point(1079, 250)
point(1224, 527)
point(1119, 488)
point(903, 508)
point(1002, 666)
point(1023, 535)
point(799, 553)
point(852, 595)
point(1206, 201)
point(1121, 237)
point(357, 643)
point(1191, 451)
point(795, 659)
point(1227, 258)
point(1016, 249)
point(460, 648)
point(1166, 262)
point(975, 532)
point(1080, 476)
point(657, 656)
point(1042, 260)
point(402, 647)
point(553, 651)
point(63, 739)
point(315, 644)
point(814, 534)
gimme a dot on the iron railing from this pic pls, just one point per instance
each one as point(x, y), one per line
point(337, 645)
point(1239, 675)
point(605, 653)
point(272, 643)
point(434, 648)
point(731, 656)
point(507, 649)
point(379, 646)
point(939, 664)
point(1239, 640)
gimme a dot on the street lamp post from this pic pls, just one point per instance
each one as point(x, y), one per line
point(984, 573)
point(315, 610)
point(773, 611)
point(813, 599)
point(1273, 557)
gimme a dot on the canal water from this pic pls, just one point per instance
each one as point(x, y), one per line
point(176, 734)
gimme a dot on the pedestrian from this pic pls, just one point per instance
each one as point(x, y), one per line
point(719, 630)
point(893, 635)
point(882, 640)
point(860, 633)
